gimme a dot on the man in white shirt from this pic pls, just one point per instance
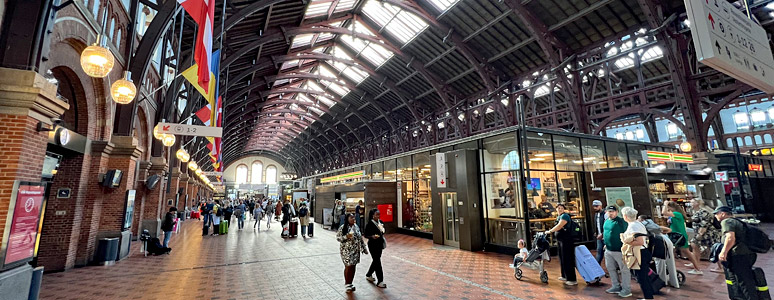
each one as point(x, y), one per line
point(599, 223)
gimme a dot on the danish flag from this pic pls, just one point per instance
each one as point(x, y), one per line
point(203, 12)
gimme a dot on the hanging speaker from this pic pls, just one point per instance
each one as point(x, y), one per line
point(152, 181)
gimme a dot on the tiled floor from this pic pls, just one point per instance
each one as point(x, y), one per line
point(261, 265)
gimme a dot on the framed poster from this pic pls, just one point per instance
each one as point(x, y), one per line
point(21, 227)
point(619, 196)
point(385, 212)
point(129, 209)
point(327, 216)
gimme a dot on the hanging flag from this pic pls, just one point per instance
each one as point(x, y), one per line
point(204, 114)
point(209, 94)
point(215, 70)
point(203, 13)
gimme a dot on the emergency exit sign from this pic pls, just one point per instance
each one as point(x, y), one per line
point(730, 42)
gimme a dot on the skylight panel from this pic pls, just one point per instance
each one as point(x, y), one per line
point(289, 64)
point(344, 5)
point(281, 81)
point(340, 90)
point(376, 54)
point(399, 23)
point(302, 40)
point(355, 74)
point(625, 62)
point(326, 101)
point(443, 5)
point(317, 8)
point(313, 86)
point(316, 110)
point(303, 98)
point(653, 53)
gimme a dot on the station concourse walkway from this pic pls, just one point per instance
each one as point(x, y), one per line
point(261, 265)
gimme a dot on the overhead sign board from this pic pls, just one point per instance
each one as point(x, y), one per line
point(754, 167)
point(441, 169)
point(212, 173)
point(346, 176)
point(762, 152)
point(667, 157)
point(727, 40)
point(194, 130)
point(721, 176)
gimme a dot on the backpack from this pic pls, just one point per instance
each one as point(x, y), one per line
point(755, 239)
point(238, 212)
point(303, 212)
point(656, 244)
point(571, 230)
point(217, 210)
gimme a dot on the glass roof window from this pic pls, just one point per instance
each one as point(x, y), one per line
point(289, 64)
point(373, 53)
point(357, 75)
point(333, 86)
point(302, 40)
point(653, 53)
point(443, 5)
point(401, 24)
point(625, 62)
point(317, 8)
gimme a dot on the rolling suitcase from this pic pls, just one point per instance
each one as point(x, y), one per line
point(223, 227)
point(587, 265)
point(760, 283)
point(293, 231)
point(310, 229)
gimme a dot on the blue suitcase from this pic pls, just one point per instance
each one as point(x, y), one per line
point(587, 265)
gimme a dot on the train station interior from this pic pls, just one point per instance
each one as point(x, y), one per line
point(171, 149)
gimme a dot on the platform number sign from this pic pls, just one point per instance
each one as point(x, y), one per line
point(727, 40)
point(441, 169)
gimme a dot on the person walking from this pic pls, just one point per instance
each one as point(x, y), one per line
point(706, 233)
point(257, 215)
point(613, 227)
point(566, 245)
point(374, 232)
point(351, 245)
point(303, 218)
point(228, 212)
point(168, 224)
point(278, 210)
point(360, 215)
point(239, 213)
point(342, 212)
point(335, 223)
point(636, 254)
point(736, 257)
point(217, 213)
point(599, 222)
point(267, 212)
point(287, 214)
point(677, 215)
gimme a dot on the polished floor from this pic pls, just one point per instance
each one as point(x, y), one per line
point(261, 265)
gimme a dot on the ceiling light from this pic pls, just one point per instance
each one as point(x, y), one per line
point(543, 154)
point(96, 60)
point(192, 166)
point(123, 90)
point(168, 140)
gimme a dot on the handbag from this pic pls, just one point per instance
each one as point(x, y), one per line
point(677, 239)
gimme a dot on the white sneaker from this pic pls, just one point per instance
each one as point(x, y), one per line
point(381, 285)
point(570, 283)
point(689, 265)
point(695, 272)
point(370, 278)
point(562, 279)
point(511, 266)
point(349, 288)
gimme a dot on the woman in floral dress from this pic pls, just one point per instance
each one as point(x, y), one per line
point(351, 245)
point(706, 233)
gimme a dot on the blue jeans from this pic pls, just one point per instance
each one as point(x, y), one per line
point(241, 222)
point(600, 251)
point(303, 230)
point(167, 235)
point(207, 220)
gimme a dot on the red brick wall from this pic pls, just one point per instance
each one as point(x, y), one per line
point(92, 210)
point(21, 156)
point(114, 202)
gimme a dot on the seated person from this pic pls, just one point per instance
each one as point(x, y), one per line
point(522, 255)
point(546, 206)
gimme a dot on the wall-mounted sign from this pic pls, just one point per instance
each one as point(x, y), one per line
point(194, 130)
point(209, 173)
point(385, 212)
point(762, 152)
point(129, 208)
point(346, 176)
point(619, 196)
point(62, 136)
point(667, 157)
point(727, 40)
point(63, 193)
point(721, 176)
point(21, 229)
point(754, 167)
point(441, 170)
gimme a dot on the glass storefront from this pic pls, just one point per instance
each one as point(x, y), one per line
point(414, 182)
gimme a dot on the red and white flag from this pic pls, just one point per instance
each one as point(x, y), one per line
point(203, 12)
point(204, 114)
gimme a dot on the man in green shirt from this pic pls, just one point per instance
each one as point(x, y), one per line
point(736, 258)
point(613, 227)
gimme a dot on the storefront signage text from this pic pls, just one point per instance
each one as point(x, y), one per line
point(667, 157)
point(721, 176)
point(347, 176)
point(754, 167)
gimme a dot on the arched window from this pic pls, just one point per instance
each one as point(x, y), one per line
point(748, 141)
point(758, 140)
point(257, 172)
point(118, 38)
point(95, 9)
point(271, 175)
point(241, 174)
point(112, 28)
point(767, 138)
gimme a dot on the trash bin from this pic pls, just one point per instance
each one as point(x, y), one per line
point(107, 251)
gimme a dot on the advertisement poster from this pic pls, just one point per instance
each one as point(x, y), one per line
point(327, 216)
point(23, 231)
point(619, 196)
point(385, 212)
point(129, 210)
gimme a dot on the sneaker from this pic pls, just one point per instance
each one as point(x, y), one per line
point(349, 288)
point(695, 272)
point(562, 279)
point(626, 295)
point(689, 265)
point(511, 266)
point(613, 290)
point(570, 283)
point(370, 278)
point(353, 288)
point(381, 285)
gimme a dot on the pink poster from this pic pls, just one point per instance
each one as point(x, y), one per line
point(24, 226)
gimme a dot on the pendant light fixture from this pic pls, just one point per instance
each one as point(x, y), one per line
point(123, 90)
point(96, 60)
point(182, 155)
point(192, 166)
point(168, 140)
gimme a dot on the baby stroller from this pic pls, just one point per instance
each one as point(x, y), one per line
point(535, 258)
point(155, 247)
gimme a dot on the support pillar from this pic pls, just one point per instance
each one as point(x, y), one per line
point(153, 201)
point(185, 196)
point(26, 99)
point(172, 190)
point(142, 194)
